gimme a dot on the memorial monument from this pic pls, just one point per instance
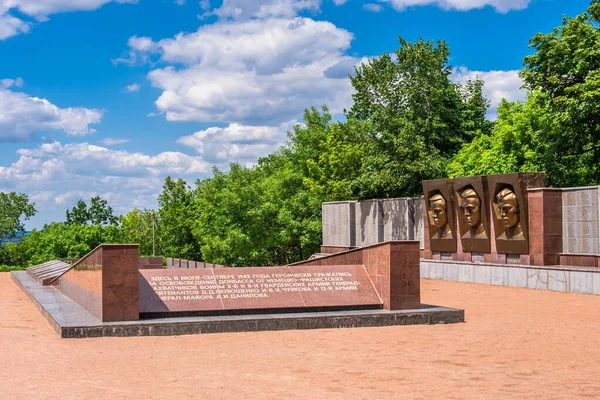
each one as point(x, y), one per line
point(112, 292)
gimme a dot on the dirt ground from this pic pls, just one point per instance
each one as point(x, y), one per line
point(516, 343)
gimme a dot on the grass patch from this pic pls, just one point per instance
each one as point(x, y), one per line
point(8, 268)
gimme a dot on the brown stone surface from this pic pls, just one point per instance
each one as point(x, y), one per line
point(580, 260)
point(545, 226)
point(445, 188)
point(105, 282)
point(516, 344)
point(518, 183)
point(479, 244)
point(392, 266)
point(177, 290)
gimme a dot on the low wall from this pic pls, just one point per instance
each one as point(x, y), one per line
point(393, 267)
point(105, 282)
point(560, 279)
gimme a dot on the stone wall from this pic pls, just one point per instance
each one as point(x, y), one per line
point(348, 224)
point(580, 220)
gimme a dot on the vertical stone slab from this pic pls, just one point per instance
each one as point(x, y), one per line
point(120, 291)
point(545, 216)
point(392, 266)
point(338, 223)
point(581, 222)
point(398, 219)
point(418, 217)
point(367, 222)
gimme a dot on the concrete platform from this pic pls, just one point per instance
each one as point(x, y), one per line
point(72, 321)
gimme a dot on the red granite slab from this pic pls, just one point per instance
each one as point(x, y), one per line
point(176, 290)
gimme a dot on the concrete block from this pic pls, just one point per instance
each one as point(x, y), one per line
point(338, 223)
point(481, 274)
point(465, 272)
point(419, 212)
point(558, 280)
point(596, 283)
point(451, 272)
point(436, 271)
point(537, 279)
point(499, 276)
point(367, 222)
point(424, 270)
point(397, 219)
point(517, 277)
point(581, 281)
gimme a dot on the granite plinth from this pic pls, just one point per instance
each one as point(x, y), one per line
point(72, 321)
point(259, 288)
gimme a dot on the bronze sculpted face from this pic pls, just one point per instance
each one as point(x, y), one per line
point(471, 208)
point(507, 210)
point(438, 215)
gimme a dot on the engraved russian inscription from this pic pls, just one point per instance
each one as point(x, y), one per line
point(275, 287)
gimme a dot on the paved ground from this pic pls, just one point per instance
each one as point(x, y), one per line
point(516, 343)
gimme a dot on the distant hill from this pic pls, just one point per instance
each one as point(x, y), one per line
point(15, 239)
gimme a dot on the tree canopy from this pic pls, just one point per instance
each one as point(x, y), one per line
point(14, 210)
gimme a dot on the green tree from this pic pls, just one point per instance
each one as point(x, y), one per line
point(98, 213)
point(143, 227)
point(175, 214)
point(557, 129)
point(14, 209)
point(421, 117)
point(565, 72)
point(517, 143)
point(63, 240)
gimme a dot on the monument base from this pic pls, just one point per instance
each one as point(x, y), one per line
point(70, 320)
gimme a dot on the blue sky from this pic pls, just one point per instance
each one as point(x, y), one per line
point(101, 97)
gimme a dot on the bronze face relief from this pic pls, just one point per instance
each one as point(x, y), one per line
point(438, 216)
point(472, 213)
point(439, 206)
point(470, 208)
point(510, 209)
point(506, 208)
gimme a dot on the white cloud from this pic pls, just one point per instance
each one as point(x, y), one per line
point(56, 175)
point(339, 2)
point(21, 116)
point(253, 72)
point(501, 6)
point(11, 26)
point(372, 7)
point(244, 144)
point(7, 83)
point(114, 141)
point(244, 9)
point(498, 85)
point(134, 87)
point(40, 10)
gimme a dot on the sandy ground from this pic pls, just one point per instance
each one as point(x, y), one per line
point(516, 343)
